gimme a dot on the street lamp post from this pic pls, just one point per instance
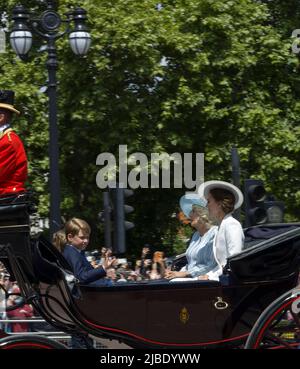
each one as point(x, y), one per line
point(47, 25)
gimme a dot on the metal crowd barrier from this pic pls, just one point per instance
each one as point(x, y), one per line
point(62, 337)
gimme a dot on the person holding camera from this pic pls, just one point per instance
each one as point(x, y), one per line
point(158, 266)
point(145, 266)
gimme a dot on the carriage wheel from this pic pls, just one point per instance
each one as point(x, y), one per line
point(278, 327)
point(29, 342)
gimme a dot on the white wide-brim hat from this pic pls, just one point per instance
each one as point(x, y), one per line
point(187, 201)
point(204, 189)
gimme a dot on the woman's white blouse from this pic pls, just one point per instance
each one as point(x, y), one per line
point(228, 241)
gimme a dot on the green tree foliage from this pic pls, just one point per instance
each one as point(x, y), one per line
point(175, 76)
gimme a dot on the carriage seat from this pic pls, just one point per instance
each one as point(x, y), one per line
point(275, 256)
point(58, 287)
point(256, 234)
point(48, 261)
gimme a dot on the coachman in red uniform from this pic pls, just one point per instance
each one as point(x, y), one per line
point(13, 160)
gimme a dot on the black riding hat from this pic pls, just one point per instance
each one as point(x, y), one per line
point(7, 100)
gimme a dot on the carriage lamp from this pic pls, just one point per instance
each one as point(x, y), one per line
point(50, 26)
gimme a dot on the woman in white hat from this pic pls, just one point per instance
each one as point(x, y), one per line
point(199, 255)
point(222, 199)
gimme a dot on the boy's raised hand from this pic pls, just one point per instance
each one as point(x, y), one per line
point(109, 261)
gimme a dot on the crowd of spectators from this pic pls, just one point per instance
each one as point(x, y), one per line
point(147, 267)
point(22, 312)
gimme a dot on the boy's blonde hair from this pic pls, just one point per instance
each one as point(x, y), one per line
point(75, 225)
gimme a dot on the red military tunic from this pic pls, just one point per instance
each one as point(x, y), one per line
point(13, 163)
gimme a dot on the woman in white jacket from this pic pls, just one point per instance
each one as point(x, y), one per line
point(222, 199)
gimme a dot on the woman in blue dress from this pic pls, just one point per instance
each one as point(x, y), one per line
point(199, 254)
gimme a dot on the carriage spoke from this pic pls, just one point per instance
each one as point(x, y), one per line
point(278, 319)
point(283, 331)
point(296, 318)
point(276, 339)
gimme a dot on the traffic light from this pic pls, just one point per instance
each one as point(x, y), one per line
point(260, 208)
point(121, 225)
point(254, 196)
point(105, 217)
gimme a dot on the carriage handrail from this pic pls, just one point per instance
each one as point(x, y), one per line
point(54, 335)
point(30, 321)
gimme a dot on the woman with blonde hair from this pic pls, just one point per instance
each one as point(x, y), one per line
point(199, 254)
point(59, 239)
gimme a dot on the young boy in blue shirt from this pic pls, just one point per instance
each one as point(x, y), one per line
point(78, 235)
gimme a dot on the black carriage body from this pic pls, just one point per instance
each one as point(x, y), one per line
point(157, 314)
point(185, 314)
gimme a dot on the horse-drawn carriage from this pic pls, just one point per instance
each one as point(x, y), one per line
point(255, 304)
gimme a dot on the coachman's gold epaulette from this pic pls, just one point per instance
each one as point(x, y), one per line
point(6, 132)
